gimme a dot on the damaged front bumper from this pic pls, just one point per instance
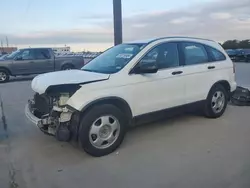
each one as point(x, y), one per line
point(55, 122)
point(29, 112)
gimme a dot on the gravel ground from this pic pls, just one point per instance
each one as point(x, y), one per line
point(186, 151)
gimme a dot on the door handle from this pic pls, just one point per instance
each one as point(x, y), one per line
point(177, 72)
point(31, 62)
point(211, 67)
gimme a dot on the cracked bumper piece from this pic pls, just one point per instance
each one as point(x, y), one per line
point(58, 119)
point(40, 123)
point(29, 113)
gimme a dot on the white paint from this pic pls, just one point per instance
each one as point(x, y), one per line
point(145, 92)
point(42, 82)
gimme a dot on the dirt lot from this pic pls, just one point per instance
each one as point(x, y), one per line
point(186, 151)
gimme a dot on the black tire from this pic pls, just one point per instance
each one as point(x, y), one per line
point(208, 110)
point(7, 76)
point(67, 67)
point(89, 118)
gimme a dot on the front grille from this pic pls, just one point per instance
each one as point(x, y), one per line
point(42, 104)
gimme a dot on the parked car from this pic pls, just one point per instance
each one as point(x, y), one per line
point(35, 61)
point(3, 57)
point(95, 105)
point(239, 55)
point(232, 54)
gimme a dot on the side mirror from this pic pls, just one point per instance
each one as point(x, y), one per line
point(147, 67)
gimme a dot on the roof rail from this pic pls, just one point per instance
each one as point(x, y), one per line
point(161, 38)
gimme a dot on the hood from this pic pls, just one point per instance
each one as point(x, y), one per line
point(41, 82)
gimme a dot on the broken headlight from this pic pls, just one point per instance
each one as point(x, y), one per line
point(63, 98)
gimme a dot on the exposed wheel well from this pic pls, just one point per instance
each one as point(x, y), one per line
point(225, 84)
point(116, 101)
point(6, 69)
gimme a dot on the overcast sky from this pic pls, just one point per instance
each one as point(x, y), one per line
point(87, 24)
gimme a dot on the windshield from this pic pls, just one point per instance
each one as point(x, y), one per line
point(12, 55)
point(3, 57)
point(114, 59)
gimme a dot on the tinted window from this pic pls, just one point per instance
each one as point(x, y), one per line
point(164, 55)
point(194, 53)
point(217, 55)
point(42, 54)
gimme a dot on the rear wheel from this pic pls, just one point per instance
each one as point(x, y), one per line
point(102, 130)
point(67, 67)
point(216, 102)
point(4, 76)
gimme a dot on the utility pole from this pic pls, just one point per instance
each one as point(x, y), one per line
point(1, 46)
point(7, 42)
point(117, 12)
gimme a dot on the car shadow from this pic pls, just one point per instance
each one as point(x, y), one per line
point(21, 78)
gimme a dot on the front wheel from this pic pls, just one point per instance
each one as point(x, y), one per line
point(4, 76)
point(216, 102)
point(102, 130)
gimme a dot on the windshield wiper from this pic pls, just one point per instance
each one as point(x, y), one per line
point(88, 70)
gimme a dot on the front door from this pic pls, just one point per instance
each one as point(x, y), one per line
point(161, 90)
point(23, 63)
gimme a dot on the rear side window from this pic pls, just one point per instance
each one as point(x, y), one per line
point(42, 54)
point(216, 54)
point(194, 53)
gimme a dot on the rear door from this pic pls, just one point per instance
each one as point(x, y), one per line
point(203, 66)
point(44, 61)
point(197, 74)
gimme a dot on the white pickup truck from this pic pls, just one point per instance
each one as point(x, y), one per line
point(96, 104)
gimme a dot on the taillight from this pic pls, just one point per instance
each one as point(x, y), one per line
point(234, 67)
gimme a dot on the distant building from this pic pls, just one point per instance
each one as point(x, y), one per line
point(61, 50)
point(8, 50)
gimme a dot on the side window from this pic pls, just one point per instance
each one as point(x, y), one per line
point(42, 54)
point(194, 53)
point(165, 56)
point(26, 55)
point(216, 54)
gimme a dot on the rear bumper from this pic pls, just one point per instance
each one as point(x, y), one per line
point(233, 87)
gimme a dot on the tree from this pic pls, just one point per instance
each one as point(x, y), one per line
point(230, 44)
point(245, 44)
point(235, 44)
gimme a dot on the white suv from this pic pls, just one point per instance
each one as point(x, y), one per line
point(95, 105)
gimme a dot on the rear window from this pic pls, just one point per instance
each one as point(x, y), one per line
point(42, 54)
point(216, 54)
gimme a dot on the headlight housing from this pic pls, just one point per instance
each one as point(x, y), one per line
point(63, 98)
